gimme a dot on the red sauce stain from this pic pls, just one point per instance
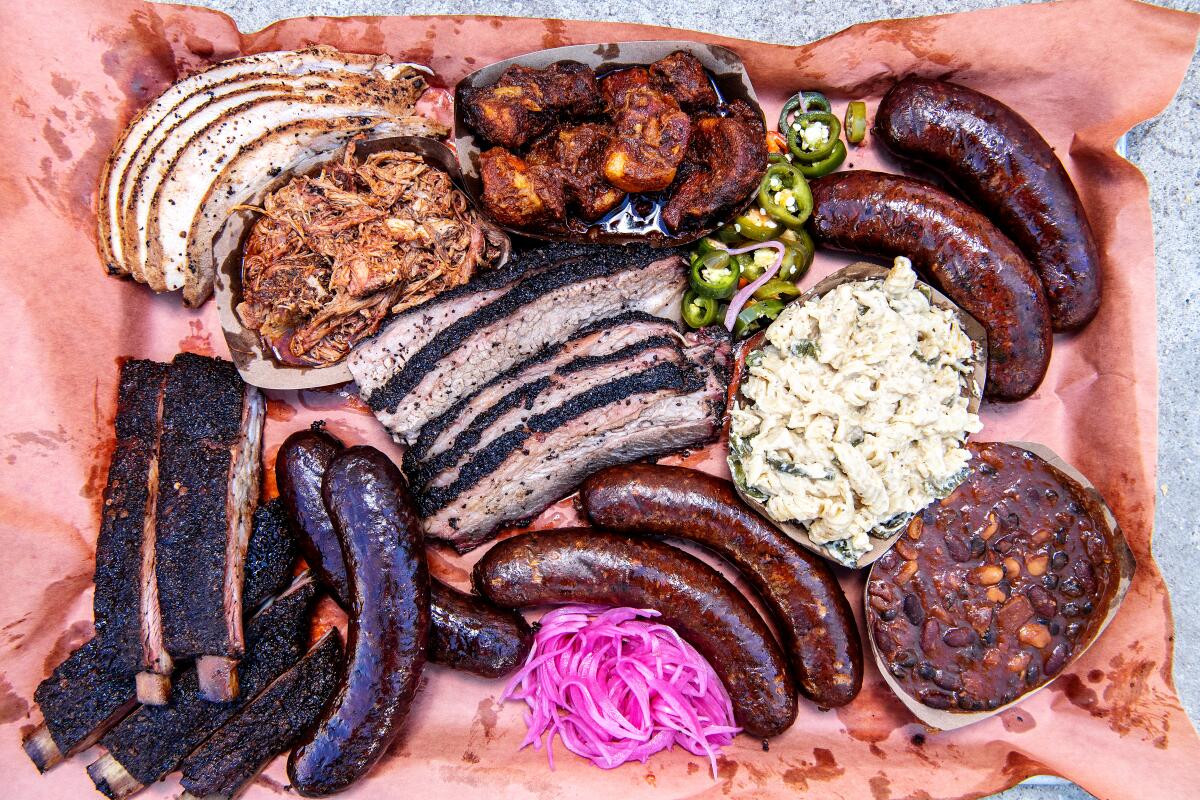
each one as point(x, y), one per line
point(650, 779)
point(97, 474)
point(197, 341)
point(555, 35)
point(881, 787)
point(272, 784)
point(1133, 705)
point(422, 52)
point(279, 410)
point(692, 768)
point(486, 715)
point(1095, 675)
point(12, 705)
point(823, 768)
point(470, 757)
point(64, 86)
point(1018, 766)
point(75, 635)
point(1017, 720)
point(57, 598)
point(874, 714)
point(1079, 694)
point(727, 770)
point(443, 567)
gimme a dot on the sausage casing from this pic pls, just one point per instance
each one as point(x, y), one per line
point(799, 589)
point(300, 465)
point(384, 552)
point(583, 565)
point(966, 256)
point(468, 633)
point(1005, 167)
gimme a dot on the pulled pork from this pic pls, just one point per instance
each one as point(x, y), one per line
point(333, 255)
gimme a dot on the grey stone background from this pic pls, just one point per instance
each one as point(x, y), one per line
point(1165, 149)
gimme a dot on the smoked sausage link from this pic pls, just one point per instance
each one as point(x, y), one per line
point(384, 553)
point(964, 254)
point(1006, 169)
point(799, 589)
point(583, 565)
point(468, 633)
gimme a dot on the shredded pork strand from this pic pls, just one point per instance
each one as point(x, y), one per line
point(333, 255)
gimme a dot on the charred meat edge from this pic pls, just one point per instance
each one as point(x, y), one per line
point(432, 431)
point(153, 740)
point(576, 266)
point(527, 396)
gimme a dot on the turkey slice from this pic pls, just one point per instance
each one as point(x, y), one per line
point(217, 80)
point(258, 164)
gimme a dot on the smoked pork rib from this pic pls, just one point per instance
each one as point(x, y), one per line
point(93, 688)
point(208, 475)
point(542, 309)
point(153, 740)
point(268, 725)
point(126, 607)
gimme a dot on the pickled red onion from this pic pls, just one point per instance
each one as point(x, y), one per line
point(744, 294)
point(614, 689)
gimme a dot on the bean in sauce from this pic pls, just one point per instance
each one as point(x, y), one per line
point(1014, 571)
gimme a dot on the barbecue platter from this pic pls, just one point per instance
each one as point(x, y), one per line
point(602, 265)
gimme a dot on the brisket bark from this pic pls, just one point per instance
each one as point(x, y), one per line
point(209, 476)
point(515, 476)
point(268, 725)
point(153, 740)
point(270, 556)
point(540, 310)
point(598, 339)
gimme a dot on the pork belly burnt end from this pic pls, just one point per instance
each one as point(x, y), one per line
point(648, 414)
point(589, 284)
point(519, 193)
point(525, 102)
point(268, 725)
point(650, 141)
point(125, 606)
point(153, 740)
point(209, 480)
point(575, 155)
point(683, 76)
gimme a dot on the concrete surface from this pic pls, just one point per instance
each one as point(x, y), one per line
point(1164, 148)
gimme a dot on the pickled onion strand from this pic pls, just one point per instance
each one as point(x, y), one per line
point(743, 295)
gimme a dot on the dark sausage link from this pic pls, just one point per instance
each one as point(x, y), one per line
point(1005, 167)
point(384, 551)
point(965, 255)
point(472, 635)
point(810, 609)
point(468, 633)
point(583, 565)
point(300, 466)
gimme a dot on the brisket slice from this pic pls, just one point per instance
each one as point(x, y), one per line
point(513, 411)
point(209, 475)
point(540, 310)
point(93, 688)
point(125, 607)
point(153, 740)
point(596, 339)
point(649, 414)
point(268, 725)
point(373, 361)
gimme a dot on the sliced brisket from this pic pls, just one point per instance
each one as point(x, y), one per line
point(208, 476)
point(598, 339)
point(153, 740)
point(269, 724)
point(516, 475)
point(536, 398)
point(544, 308)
